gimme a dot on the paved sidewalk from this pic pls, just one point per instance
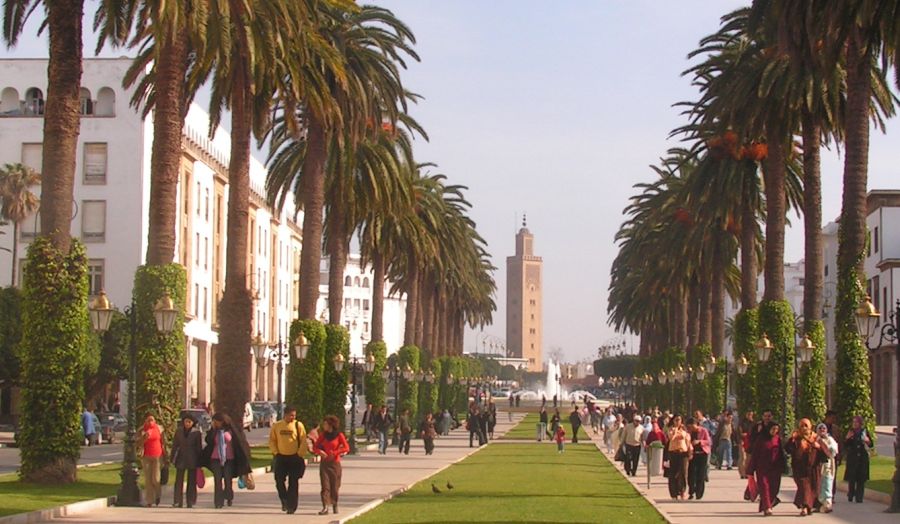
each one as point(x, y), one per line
point(724, 499)
point(367, 477)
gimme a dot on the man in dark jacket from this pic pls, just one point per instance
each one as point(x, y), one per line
point(575, 420)
point(382, 422)
point(404, 429)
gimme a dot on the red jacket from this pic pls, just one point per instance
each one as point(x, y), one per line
point(333, 448)
point(152, 441)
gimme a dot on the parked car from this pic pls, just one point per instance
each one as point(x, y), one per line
point(204, 421)
point(113, 426)
point(263, 414)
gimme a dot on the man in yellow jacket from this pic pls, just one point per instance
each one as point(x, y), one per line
point(287, 441)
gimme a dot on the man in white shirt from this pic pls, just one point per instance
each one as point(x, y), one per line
point(633, 434)
point(607, 425)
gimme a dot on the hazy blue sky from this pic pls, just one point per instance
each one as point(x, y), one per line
point(556, 109)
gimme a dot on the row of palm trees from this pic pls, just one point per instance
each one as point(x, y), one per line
point(776, 81)
point(320, 80)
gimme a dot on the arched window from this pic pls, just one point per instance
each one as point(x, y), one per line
point(356, 281)
point(34, 102)
point(106, 102)
point(348, 281)
point(84, 99)
point(9, 102)
point(365, 282)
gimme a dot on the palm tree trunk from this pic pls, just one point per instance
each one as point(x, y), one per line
point(427, 299)
point(776, 207)
point(336, 247)
point(749, 271)
point(420, 310)
point(681, 319)
point(377, 296)
point(693, 317)
point(812, 222)
point(165, 157)
point(61, 120)
point(717, 301)
point(236, 310)
point(705, 335)
point(15, 253)
point(412, 305)
point(313, 182)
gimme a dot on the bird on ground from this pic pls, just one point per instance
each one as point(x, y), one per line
point(434, 489)
point(449, 485)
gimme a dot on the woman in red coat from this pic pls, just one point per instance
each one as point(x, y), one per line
point(767, 463)
point(331, 445)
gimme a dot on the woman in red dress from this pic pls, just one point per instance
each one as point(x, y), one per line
point(331, 445)
point(767, 463)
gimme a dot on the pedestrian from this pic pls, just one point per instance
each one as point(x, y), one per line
point(484, 419)
point(428, 433)
point(655, 435)
point(701, 444)
point(828, 447)
point(856, 452)
point(368, 414)
point(542, 418)
point(595, 418)
point(607, 425)
point(187, 450)
point(382, 424)
point(803, 447)
point(555, 399)
point(228, 457)
point(492, 419)
point(473, 424)
point(679, 448)
point(446, 421)
point(767, 465)
point(648, 427)
point(575, 420)
point(331, 446)
point(287, 442)
point(554, 422)
point(518, 399)
point(560, 436)
point(618, 434)
point(831, 424)
point(634, 434)
point(404, 432)
point(151, 459)
point(87, 426)
point(745, 428)
point(724, 442)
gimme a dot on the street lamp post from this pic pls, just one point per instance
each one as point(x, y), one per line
point(357, 364)
point(280, 354)
point(389, 374)
point(866, 317)
point(165, 314)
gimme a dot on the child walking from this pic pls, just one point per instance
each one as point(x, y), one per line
point(560, 439)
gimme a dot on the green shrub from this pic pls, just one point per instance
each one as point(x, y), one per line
point(429, 391)
point(854, 377)
point(55, 331)
point(10, 335)
point(708, 393)
point(160, 357)
point(111, 357)
point(775, 379)
point(335, 389)
point(811, 388)
point(409, 390)
point(304, 378)
point(374, 382)
point(746, 334)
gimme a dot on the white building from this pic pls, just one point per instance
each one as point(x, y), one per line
point(112, 203)
point(356, 315)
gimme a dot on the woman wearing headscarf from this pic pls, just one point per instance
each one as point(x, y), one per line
point(648, 427)
point(655, 435)
point(679, 458)
point(228, 455)
point(856, 452)
point(767, 463)
point(803, 447)
point(330, 445)
point(187, 448)
point(829, 448)
point(618, 433)
point(151, 459)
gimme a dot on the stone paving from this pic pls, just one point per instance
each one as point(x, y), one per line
point(368, 478)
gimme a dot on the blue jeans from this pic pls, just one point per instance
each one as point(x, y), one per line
point(382, 441)
point(724, 453)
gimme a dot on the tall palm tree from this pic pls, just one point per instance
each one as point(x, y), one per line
point(17, 202)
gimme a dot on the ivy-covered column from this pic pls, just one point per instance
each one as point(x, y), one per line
point(775, 379)
point(55, 331)
point(304, 377)
point(409, 389)
point(335, 390)
point(375, 382)
point(746, 333)
point(854, 378)
point(811, 388)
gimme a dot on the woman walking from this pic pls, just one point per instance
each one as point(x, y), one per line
point(679, 458)
point(803, 447)
point(331, 445)
point(151, 437)
point(428, 433)
point(767, 463)
point(856, 450)
point(829, 448)
point(228, 455)
point(187, 449)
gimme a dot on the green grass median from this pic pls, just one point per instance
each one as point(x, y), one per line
point(506, 483)
point(881, 470)
point(525, 429)
point(22, 497)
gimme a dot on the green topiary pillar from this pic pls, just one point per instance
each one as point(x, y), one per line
point(811, 401)
point(854, 378)
point(409, 389)
point(335, 384)
point(775, 379)
point(374, 381)
point(304, 378)
point(746, 333)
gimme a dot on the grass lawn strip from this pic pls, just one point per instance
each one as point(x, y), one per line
point(881, 470)
point(525, 429)
point(521, 483)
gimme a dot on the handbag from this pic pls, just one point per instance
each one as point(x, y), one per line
point(241, 483)
point(249, 483)
point(752, 491)
point(164, 475)
point(200, 478)
point(620, 454)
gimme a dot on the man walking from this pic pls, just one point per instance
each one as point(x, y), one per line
point(701, 443)
point(404, 430)
point(87, 426)
point(382, 424)
point(287, 442)
point(367, 421)
point(633, 439)
point(575, 420)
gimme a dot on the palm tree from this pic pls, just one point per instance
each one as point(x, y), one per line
point(17, 201)
point(61, 113)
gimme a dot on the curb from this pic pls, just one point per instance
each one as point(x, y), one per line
point(43, 515)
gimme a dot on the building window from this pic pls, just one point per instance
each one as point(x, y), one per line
point(86, 105)
point(826, 270)
point(347, 303)
point(365, 282)
point(205, 301)
point(95, 161)
point(205, 252)
point(199, 202)
point(95, 276)
point(875, 239)
point(34, 102)
point(366, 327)
point(348, 281)
point(93, 220)
point(802, 281)
point(32, 156)
point(365, 305)
point(106, 102)
point(197, 249)
point(196, 300)
point(356, 303)
point(356, 281)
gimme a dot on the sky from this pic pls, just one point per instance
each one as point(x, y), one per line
point(555, 110)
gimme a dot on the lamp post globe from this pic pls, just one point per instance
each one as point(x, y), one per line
point(338, 362)
point(805, 349)
point(370, 363)
point(165, 314)
point(742, 365)
point(764, 348)
point(301, 346)
point(866, 319)
point(100, 312)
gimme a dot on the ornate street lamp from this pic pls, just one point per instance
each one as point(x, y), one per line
point(866, 319)
point(100, 313)
point(701, 372)
point(301, 346)
point(742, 364)
point(805, 349)
point(357, 365)
point(764, 348)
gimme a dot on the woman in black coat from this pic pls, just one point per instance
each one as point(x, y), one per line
point(186, 455)
point(856, 456)
point(236, 461)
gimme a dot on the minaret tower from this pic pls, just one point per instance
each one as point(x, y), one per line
point(524, 301)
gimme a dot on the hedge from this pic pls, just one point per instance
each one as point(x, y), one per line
point(374, 382)
point(304, 378)
point(429, 391)
point(775, 379)
point(111, 359)
point(746, 334)
point(10, 335)
point(708, 393)
point(160, 361)
point(409, 390)
point(55, 331)
point(811, 388)
point(334, 393)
